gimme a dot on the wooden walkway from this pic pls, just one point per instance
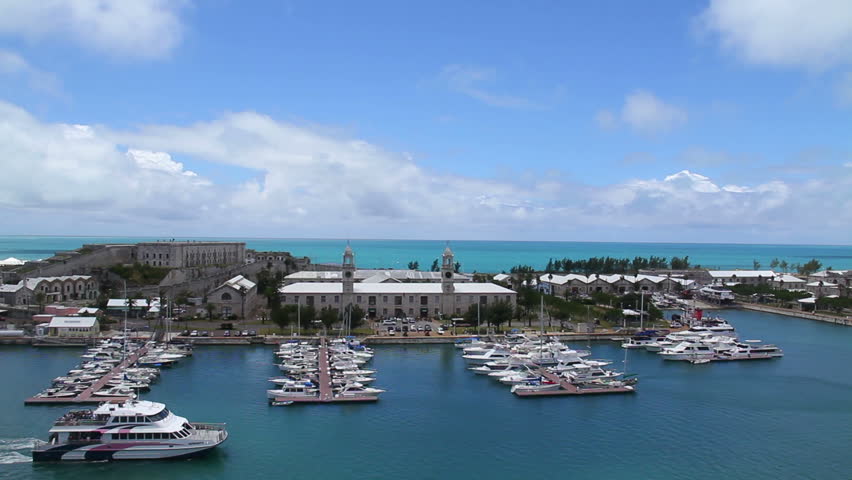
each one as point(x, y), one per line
point(326, 393)
point(568, 388)
point(87, 395)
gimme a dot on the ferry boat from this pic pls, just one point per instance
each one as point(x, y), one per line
point(133, 430)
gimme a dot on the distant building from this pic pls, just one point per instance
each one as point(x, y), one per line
point(431, 296)
point(237, 296)
point(574, 284)
point(55, 289)
point(374, 276)
point(73, 327)
point(190, 254)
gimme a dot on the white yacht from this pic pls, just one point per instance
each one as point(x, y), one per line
point(749, 350)
point(688, 351)
point(134, 430)
point(536, 386)
point(641, 342)
point(489, 356)
point(294, 389)
point(353, 390)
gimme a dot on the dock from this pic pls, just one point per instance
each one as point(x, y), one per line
point(326, 395)
point(87, 395)
point(568, 388)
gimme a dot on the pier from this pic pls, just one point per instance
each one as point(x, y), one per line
point(568, 388)
point(87, 395)
point(326, 394)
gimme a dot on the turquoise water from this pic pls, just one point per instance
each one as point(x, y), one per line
point(787, 418)
point(482, 256)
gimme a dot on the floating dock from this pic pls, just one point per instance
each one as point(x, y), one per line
point(87, 395)
point(568, 388)
point(326, 395)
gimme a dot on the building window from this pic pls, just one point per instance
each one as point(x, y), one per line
point(371, 300)
point(358, 299)
point(397, 300)
point(322, 298)
point(384, 311)
point(226, 296)
point(424, 300)
point(458, 298)
point(337, 299)
point(411, 299)
point(411, 311)
point(385, 299)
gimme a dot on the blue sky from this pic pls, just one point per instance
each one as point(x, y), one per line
point(535, 120)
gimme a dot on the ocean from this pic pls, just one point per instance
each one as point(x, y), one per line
point(766, 419)
point(476, 255)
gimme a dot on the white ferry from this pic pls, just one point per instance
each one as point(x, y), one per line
point(134, 430)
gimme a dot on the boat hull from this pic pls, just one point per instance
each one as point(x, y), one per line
point(121, 451)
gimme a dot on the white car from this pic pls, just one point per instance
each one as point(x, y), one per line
point(193, 333)
point(388, 321)
point(440, 330)
point(391, 332)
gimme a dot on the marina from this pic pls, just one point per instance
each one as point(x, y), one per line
point(431, 392)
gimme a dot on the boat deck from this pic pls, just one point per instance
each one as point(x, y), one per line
point(88, 395)
point(326, 395)
point(568, 388)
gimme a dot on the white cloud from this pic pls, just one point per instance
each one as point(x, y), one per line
point(645, 114)
point(312, 183)
point(161, 161)
point(12, 63)
point(791, 33)
point(137, 28)
point(470, 81)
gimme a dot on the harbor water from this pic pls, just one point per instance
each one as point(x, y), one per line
point(767, 419)
point(475, 255)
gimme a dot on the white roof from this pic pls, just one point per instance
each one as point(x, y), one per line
point(741, 273)
point(88, 310)
point(10, 288)
point(563, 279)
point(84, 322)
point(11, 261)
point(239, 283)
point(824, 285)
point(314, 288)
point(788, 279)
point(500, 277)
point(826, 273)
point(807, 300)
point(363, 274)
point(130, 408)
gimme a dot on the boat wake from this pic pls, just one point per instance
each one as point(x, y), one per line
point(9, 450)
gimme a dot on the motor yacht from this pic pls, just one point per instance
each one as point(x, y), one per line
point(294, 389)
point(352, 390)
point(536, 386)
point(134, 430)
point(688, 350)
point(489, 356)
point(749, 350)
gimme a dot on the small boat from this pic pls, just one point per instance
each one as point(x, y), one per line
point(700, 361)
point(281, 404)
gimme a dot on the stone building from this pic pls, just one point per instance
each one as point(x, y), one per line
point(446, 298)
point(73, 327)
point(55, 289)
point(237, 296)
point(190, 254)
point(574, 284)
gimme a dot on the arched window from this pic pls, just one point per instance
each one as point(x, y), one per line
point(226, 296)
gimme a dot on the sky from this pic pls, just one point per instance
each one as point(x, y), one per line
point(669, 120)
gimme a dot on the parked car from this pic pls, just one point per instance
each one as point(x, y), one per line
point(388, 321)
point(194, 333)
point(184, 333)
point(245, 333)
point(205, 333)
point(428, 328)
point(440, 330)
point(252, 333)
point(227, 333)
point(391, 331)
point(419, 328)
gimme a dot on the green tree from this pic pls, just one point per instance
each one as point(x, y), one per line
point(755, 264)
point(329, 316)
point(810, 267)
point(282, 316)
point(435, 266)
point(413, 265)
point(774, 263)
point(457, 267)
point(40, 299)
point(356, 316)
point(211, 309)
point(500, 313)
point(784, 265)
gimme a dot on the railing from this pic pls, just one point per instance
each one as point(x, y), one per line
point(208, 426)
point(74, 422)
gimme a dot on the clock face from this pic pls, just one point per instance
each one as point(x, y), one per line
point(448, 274)
point(348, 274)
